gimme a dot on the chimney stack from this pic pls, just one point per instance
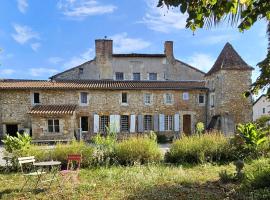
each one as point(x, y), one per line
point(104, 50)
point(168, 50)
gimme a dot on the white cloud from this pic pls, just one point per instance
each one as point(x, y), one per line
point(22, 5)
point(201, 61)
point(24, 34)
point(124, 44)
point(162, 19)
point(55, 60)
point(39, 72)
point(79, 9)
point(215, 39)
point(35, 46)
point(77, 60)
point(5, 72)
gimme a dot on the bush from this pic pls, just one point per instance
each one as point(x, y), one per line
point(12, 143)
point(139, 150)
point(210, 147)
point(162, 138)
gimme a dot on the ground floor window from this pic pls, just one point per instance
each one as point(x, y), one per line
point(84, 123)
point(124, 123)
point(53, 126)
point(148, 123)
point(168, 122)
point(103, 123)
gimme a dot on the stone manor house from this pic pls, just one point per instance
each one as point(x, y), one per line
point(133, 93)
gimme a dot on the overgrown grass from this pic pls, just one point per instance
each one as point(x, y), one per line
point(200, 149)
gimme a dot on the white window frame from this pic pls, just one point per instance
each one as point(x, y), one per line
point(185, 96)
point(144, 123)
point(33, 98)
point(201, 104)
point(168, 122)
point(121, 98)
point(150, 98)
point(166, 98)
point(102, 117)
point(53, 120)
point(128, 123)
point(80, 99)
point(119, 79)
point(212, 100)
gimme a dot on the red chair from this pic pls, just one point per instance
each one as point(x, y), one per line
point(73, 167)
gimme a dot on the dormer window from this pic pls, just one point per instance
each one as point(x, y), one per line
point(152, 76)
point(36, 98)
point(119, 76)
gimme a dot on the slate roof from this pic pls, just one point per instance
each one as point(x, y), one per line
point(8, 84)
point(53, 109)
point(229, 59)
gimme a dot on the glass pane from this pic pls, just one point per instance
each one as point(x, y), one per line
point(50, 128)
point(84, 97)
point(84, 123)
point(56, 129)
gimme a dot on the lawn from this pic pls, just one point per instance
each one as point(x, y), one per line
point(137, 182)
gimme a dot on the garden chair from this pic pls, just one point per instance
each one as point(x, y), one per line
point(73, 167)
point(29, 161)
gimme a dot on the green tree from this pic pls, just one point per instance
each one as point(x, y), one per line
point(243, 13)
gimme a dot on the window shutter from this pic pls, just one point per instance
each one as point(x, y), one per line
point(117, 123)
point(161, 122)
point(156, 122)
point(176, 122)
point(96, 123)
point(140, 123)
point(132, 123)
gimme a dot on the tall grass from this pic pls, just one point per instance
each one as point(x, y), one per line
point(210, 147)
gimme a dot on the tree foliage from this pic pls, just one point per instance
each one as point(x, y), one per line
point(240, 13)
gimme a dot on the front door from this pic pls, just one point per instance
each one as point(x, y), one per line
point(187, 124)
point(84, 124)
point(12, 129)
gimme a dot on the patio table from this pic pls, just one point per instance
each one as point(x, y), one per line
point(53, 166)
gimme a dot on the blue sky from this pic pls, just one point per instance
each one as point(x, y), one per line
point(39, 39)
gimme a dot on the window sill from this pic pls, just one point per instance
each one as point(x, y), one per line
point(124, 104)
point(83, 104)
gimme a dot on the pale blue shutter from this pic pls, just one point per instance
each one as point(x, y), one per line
point(96, 123)
point(176, 122)
point(140, 123)
point(161, 122)
point(117, 123)
point(156, 122)
point(132, 123)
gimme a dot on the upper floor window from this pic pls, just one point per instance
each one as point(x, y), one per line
point(185, 96)
point(124, 97)
point(136, 76)
point(212, 100)
point(53, 126)
point(168, 98)
point(119, 76)
point(152, 76)
point(36, 98)
point(84, 98)
point(201, 98)
point(80, 70)
point(147, 99)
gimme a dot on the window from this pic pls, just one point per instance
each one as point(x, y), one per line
point(147, 99)
point(136, 76)
point(36, 98)
point(185, 96)
point(53, 126)
point(168, 122)
point(212, 100)
point(124, 97)
point(263, 110)
point(84, 97)
point(201, 98)
point(119, 76)
point(152, 76)
point(148, 122)
point(84, 123)
point(124, 123)
point(168, 98)
point(103, 123)
point(80, 71)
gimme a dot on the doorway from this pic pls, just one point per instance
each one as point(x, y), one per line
point(187, 124)
point(84, 124)
point(12, 129)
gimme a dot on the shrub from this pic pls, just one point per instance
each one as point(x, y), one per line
point(139, 150)
point(199, 128)
point(12, 143)
point(199, 149)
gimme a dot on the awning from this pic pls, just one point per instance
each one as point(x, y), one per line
point(52, 110)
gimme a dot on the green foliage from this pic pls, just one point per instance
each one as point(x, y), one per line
point(210, 147)
point(252, 135)
point(12, 143)
point(226, 177)
point(263, 122)
point(137, 150)
point(199, 128)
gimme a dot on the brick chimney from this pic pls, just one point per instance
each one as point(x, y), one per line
point(104, 50)
point(168, 50)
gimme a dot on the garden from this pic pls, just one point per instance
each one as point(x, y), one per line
point(206, 165)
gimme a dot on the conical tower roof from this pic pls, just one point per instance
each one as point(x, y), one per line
point(229, 59)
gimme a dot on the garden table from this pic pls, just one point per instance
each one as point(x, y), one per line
point(53, 166)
